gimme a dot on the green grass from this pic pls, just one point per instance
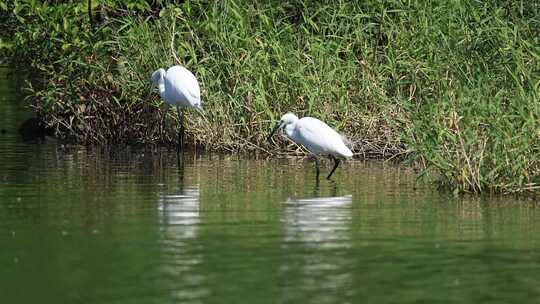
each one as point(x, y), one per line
point(453, 85)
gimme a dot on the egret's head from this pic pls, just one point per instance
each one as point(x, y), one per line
point(158, 77)
point(285, 120)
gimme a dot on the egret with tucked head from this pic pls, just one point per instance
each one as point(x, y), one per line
point(178, 87)
point(316, 136)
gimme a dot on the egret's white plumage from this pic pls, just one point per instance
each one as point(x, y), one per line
point(178, 87)
point(316, 136)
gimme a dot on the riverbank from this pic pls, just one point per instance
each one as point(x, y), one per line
point(451, 86)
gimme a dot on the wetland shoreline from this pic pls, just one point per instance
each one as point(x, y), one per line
point(451, 87)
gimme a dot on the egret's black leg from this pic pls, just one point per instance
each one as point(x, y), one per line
point(181, 128)
point(333, 188)
point(317, 189)
point(336, 164)
point(180, 164)
point(317, 168)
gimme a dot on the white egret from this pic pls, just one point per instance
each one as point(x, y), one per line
point(178, 87)
point(316, 136)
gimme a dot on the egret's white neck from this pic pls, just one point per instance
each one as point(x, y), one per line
point(289, 128)
point(158, 80)
point(161, 87)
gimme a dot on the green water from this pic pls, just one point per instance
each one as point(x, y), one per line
point(80, 225)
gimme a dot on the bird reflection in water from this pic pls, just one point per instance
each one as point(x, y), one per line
point(325, 220)
point(179, 212)
point(317, 236)
point(179, 217)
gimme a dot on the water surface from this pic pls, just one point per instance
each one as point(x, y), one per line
point(88, 225)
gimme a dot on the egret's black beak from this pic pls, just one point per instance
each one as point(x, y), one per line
point(273, 131)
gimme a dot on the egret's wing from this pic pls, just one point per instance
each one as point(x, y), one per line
point(315, 134)
point(346, 141)
point(320, 138)
point(183, 82)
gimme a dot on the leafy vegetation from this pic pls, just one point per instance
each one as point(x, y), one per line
point(452, 85)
